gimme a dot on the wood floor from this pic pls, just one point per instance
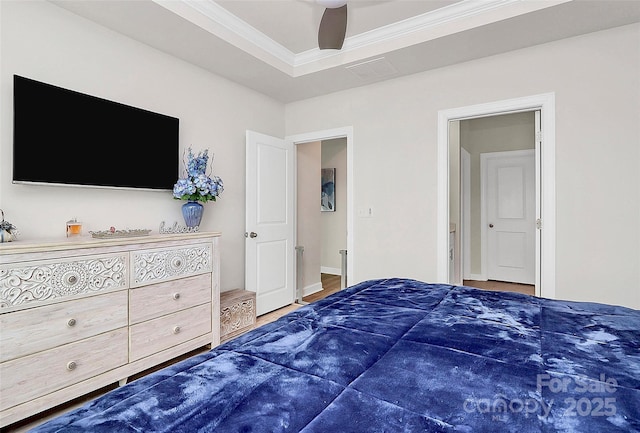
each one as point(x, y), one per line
point(330, 284)
point(502, 286)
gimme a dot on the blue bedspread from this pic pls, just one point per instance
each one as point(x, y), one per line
point(398, 355)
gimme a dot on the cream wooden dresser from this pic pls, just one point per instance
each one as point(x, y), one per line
point(79, 314)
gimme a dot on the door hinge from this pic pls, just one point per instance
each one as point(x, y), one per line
point(539, 224)
point(539, 136)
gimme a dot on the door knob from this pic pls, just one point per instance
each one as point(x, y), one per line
point(251, 235)
point(490, 226)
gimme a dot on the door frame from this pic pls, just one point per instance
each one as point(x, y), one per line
point(328, 134)
point(545, 278)
point(465, 208)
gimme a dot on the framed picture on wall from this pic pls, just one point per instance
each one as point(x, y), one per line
point(328, 193)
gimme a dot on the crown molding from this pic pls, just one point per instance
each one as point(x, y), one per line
point(448, 20)
point(217, 13)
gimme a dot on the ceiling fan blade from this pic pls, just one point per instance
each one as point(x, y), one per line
point(333, 28)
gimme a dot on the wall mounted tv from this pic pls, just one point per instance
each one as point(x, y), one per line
point(63, 137)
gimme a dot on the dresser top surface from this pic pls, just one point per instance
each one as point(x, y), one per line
point(87, 241)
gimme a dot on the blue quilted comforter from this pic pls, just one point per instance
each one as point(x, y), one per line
point(398, 355)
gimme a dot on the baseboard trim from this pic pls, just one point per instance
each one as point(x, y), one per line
point(476, 277)
point(330, 271)
point(311, 289)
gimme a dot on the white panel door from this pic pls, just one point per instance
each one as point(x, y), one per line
point(269, 249)
point(511, 212)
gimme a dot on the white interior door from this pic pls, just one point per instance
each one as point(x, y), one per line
point(510, 206)
point(269, 245)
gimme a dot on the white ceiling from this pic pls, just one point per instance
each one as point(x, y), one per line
point(271, 45)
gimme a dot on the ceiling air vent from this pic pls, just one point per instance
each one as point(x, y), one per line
point(372, 69)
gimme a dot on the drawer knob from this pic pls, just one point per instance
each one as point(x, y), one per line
point(176, 329)
point(71, 323)
point(71, 365)
point(176, 296)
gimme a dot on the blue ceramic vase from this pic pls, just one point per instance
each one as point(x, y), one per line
point(192, 213)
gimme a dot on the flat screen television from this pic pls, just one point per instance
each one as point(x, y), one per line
point(64, 137)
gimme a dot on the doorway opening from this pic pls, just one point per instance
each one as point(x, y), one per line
point(335, 143)
point(271, 219)
point(492, 201)
point(321, 230)
point(545, 185)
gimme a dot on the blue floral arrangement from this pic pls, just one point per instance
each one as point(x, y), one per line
point(196, 185)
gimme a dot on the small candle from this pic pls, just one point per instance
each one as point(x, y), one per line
point(74, 228)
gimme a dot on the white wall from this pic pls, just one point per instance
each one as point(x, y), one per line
point(596, 80)
point(44, 42)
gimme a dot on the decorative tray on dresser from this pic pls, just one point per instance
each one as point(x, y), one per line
point(81, 313)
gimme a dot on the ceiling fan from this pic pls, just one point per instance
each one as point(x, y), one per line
point(333, 25)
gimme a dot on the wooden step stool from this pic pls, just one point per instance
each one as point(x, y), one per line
point(237, 313)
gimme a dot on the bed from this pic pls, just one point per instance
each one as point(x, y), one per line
point(397, 355)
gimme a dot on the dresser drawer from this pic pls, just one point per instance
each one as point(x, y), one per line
point(32, 330)
point(164, 264)
point(157, 300)
point(28, 284)
point(164, 332)
point(44, 372)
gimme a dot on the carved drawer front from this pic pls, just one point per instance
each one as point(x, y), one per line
point(44, 372)
point(22, 283)
point(163, 264)
point(28, 331)
point(153, 301)
point(164, 332)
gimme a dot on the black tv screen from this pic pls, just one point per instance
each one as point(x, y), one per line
point(65, 137)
